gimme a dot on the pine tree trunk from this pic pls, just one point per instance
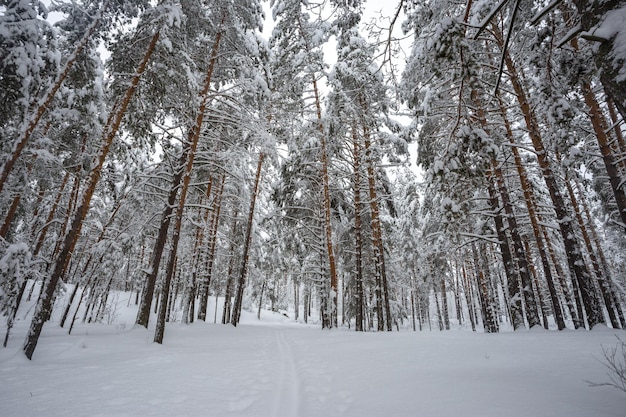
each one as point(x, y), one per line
point(180, 180)
point(444, 302)
point(379, 248)
point(8, 219)
point(246, 248)
point(520, 258)
point(413, 312)
point(490, 320)
point(44, 306)
point(572, 249)
point(603, 261)
point(515, 300)
point(604, 290)
point(258, 314)
point(190, 281)
point(620, 145)
point(296, 299)
point(537, 289)
point(228, 293)
point(216, 209)
point(600, 128)
point(457, 294)
point(332, 320)
point(358, 233)
point(188, 298)
point(591, 13)
point(42, 107)
point(44, 229)
point(328, 234)
point(73, 201)
point(197, 243)
point(531, 207)
point(69, 305)
point(80, 301)
point(159, 331)
point(438, 308)
point(13, 311)
point(469, 297)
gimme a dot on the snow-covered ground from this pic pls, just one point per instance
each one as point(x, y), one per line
point(275, 367)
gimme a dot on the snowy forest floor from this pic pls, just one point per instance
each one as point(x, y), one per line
point(275, 367)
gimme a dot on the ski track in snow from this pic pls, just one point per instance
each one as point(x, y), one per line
point(274, 367)
point(287, 398)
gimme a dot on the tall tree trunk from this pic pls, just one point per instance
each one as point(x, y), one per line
point(216, 209)
point(358, 232)
point(258, 314)
point(537, 289)
point(45, 303)
point(190, 280)
point(522, 272)
point(603, 261)
point(193, 137)
point(490, 319)
point(607, 55)
point(180, 181)
point(296, 299)
point(164, 305)
point(34, 118)
point(572, 248)
point(601, 129)
point(531, 207)
point(620, 145)
point(332, 320)
point(516, 311)
point(438, 308)
point(44, 230)
point(228, 292)
point(413, 310)
point(197, 243)
point(444, 302)
point(469, 297)
point(377, 233)
point(246, 248)
point(604, 287)
point(328, 233)
point(73, 201)
point(8, 219)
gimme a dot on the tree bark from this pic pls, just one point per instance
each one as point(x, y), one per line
point(601, 129)
point(180, 180)
point(602, 280)
point(358, 232)
point(33, 119)
point(45, 303)
point(328, 234)
point(377, 233)
point(607, 55)
point(246, 248)
point(490, 321)
point(572, 248)
point(516, 311)
point(216, 208)
point(228, 292)
point(44, 230)
point(523, 271)
point(531, 207)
